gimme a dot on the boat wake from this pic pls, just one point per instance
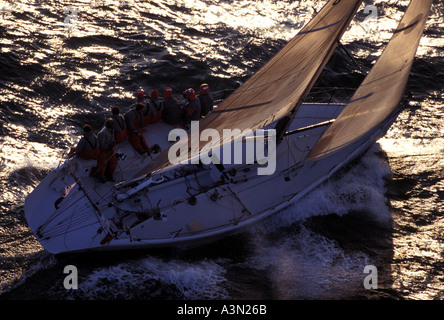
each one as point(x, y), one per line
point(152, 278)
point(351, 190)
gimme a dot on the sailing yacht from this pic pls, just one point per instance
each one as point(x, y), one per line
point(219, 186)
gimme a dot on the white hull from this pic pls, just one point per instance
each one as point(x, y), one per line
point(84, 217)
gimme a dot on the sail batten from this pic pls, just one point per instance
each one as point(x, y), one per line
point(381, 91)
point(280, 86)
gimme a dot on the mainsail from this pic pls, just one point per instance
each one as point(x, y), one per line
point(381, 91)
point(280, 86)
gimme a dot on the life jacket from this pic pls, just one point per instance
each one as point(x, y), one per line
point(119, 128)
point(88, 147)
point(156, 104)
point(206, 103)
point(153, 111)
point(172, 111)
point(106, 139)
point(134, 121)
point(192, 110)
point(119, 122)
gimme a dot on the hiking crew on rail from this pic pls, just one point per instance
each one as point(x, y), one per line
point(131, 125)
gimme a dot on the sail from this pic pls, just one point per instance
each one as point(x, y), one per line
point(281, 84)
point(381, 91)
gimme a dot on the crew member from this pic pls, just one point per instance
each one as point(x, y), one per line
point(172, 110)
point(106, 160)
point(119, 125)
point(149, 113)
point(155, 105)
point(206, 100)
point(191, 106)
point(88, 146)
point(134, 122)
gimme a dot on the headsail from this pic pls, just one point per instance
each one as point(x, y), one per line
point(381, 91)
point(281, 84)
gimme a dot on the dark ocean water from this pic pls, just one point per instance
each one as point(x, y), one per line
point(59, 70)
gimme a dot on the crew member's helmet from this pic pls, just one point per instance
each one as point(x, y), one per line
point(154, 93)
point(168, 92)
point(141, 95)
point(190, 94)
point(204, 89)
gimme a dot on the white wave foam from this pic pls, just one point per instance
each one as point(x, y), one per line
point(194, 280)
point(360, 188)
point(302, 264)
point(306, 265)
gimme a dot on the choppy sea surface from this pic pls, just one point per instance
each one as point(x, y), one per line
point(64, 63)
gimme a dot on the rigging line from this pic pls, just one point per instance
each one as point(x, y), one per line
point(103, 197)
point(69, 198)
point(121, 171)
point(289, 153)
point(284, 123)
point(97, 210)
point(57, 212)
point(67, 228)
point(76, 214)
point(69, 231)
point(241, 203)
point(77, 223)
point(70, 217)
point(94, 189)
point(349, 55)
point(61, 225)
point(332, 88)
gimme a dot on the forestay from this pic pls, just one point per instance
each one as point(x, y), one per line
point(381, 91)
